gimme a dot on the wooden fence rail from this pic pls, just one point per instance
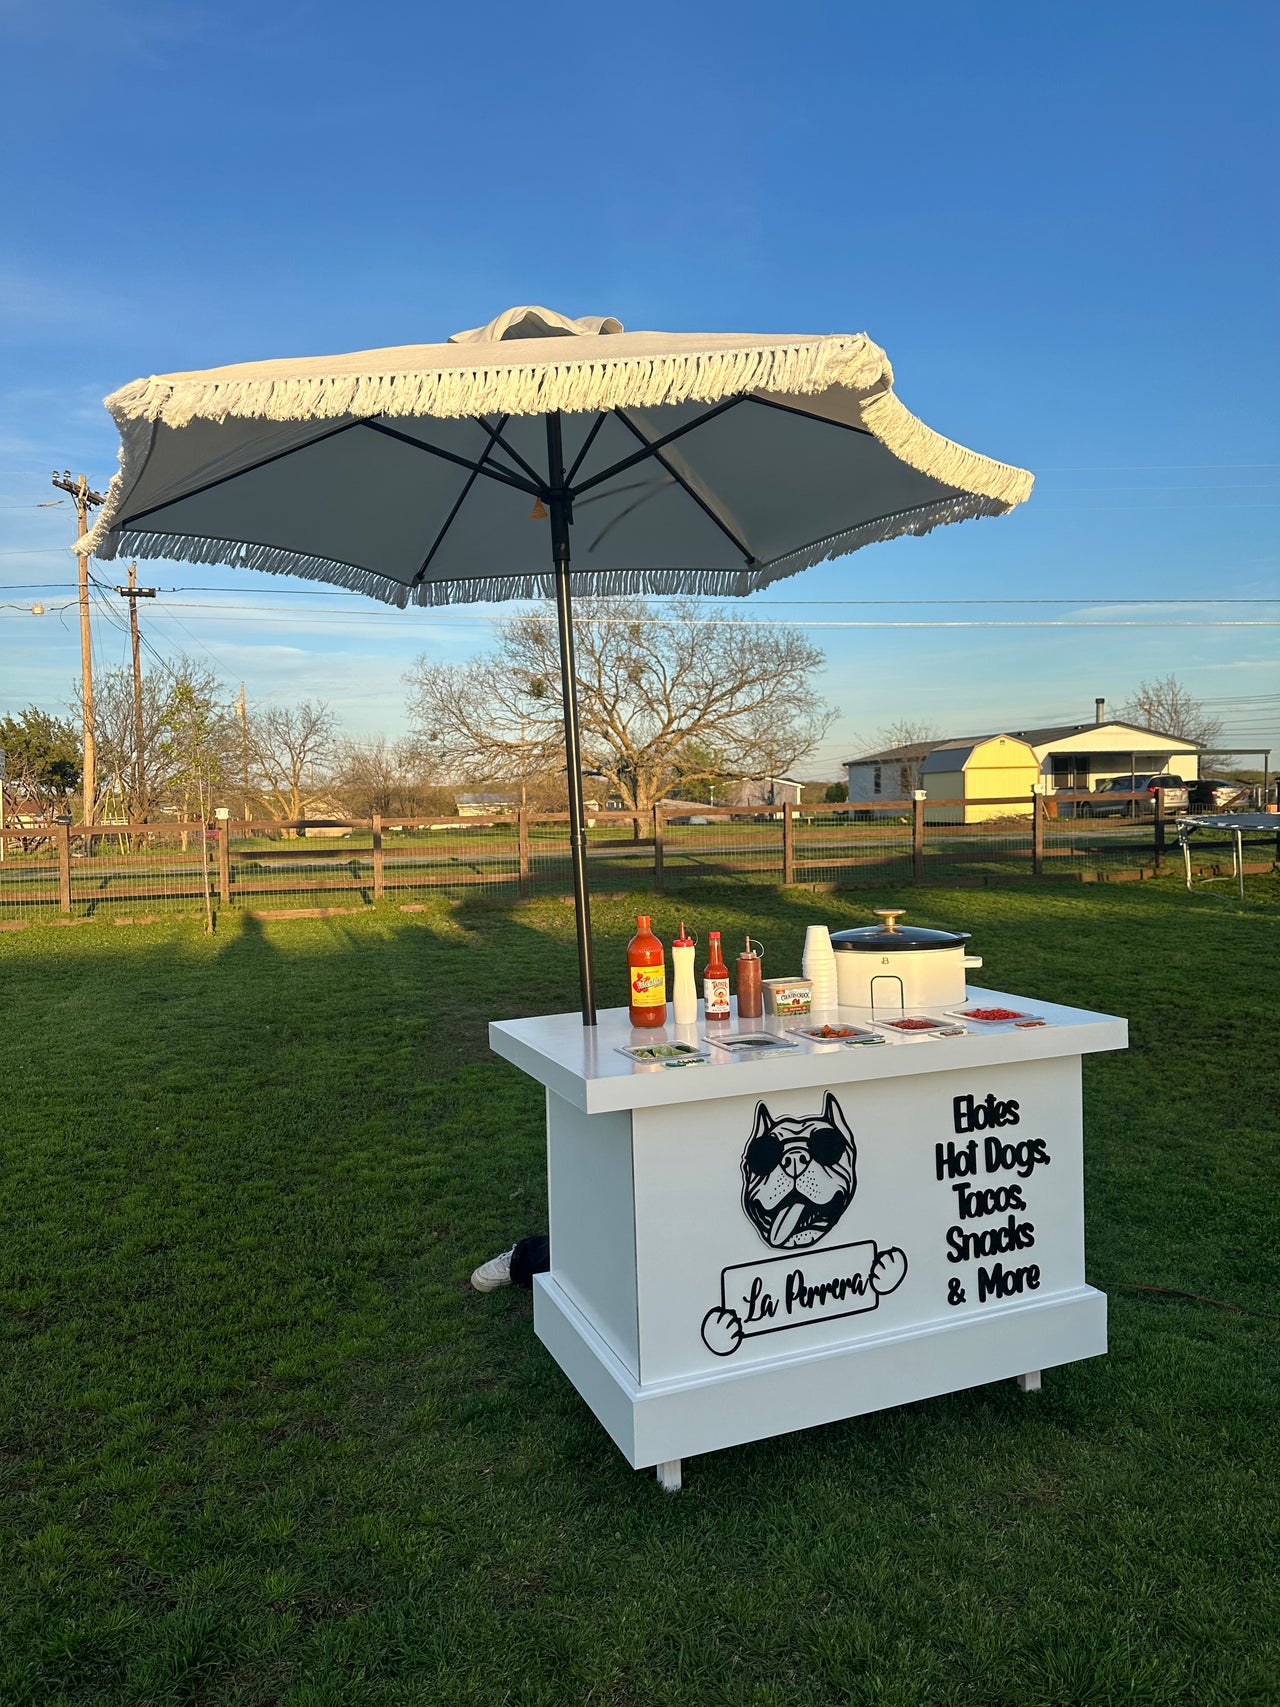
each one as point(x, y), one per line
point(252, 859)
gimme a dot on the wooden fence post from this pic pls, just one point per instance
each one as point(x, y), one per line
point(377, 856)
point(659, 854)
point(1037, 836)
point(917, 835)
point(788, 844)
point(224, 862)
point(1158, 830)
point(64, 868)
point(522, 832)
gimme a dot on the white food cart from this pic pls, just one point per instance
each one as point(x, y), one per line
point(746, 1246)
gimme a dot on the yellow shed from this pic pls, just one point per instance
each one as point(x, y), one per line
point(983, 768)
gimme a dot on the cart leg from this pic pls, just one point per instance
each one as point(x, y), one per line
point(1240, 862)
point(669, 1476)
point(1030, 1382)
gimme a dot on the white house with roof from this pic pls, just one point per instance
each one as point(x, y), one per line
point(1065, 757)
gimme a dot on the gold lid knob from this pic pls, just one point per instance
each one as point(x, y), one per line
point(890, 915)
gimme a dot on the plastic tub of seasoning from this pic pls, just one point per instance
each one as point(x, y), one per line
point(785, 996)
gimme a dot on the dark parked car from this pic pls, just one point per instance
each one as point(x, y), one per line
point(1219, 794)
point(1172, 788)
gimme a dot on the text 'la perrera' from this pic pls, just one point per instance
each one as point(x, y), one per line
point(974, 1116)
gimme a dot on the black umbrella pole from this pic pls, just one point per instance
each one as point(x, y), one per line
point(572, 734)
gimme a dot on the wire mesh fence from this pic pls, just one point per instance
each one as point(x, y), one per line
point(58, 870)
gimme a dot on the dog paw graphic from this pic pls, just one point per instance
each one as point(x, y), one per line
point(888, 1270)
point(722, 1331)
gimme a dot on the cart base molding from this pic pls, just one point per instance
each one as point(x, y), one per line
point(662, 1421)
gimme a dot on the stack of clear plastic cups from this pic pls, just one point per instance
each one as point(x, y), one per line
point(819, 965)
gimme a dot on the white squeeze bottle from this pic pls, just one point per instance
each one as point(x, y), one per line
point(684, 994)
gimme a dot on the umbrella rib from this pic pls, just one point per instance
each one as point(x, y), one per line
point(495, 436)
point(586, 446)
point(655, 445)
point(514, 454)
point(500, 475)
point(790, 409)
point(209, 485)
point(684, 485)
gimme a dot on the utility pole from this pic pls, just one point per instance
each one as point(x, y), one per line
point(133, 592)
point(86, 499)
point(244, 749)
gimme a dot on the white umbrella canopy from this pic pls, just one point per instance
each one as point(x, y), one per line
point(664, 463)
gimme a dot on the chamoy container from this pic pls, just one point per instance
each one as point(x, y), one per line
point(715, 981)
point(684, 991)
point(750, 992)
point(646, 976)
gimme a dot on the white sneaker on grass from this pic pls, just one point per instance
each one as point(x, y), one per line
point(494, 1273)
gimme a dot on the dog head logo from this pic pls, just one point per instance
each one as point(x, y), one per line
point(798, 1176)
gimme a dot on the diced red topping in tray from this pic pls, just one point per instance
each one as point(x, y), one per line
point(911, 1024)
point(993, 1013)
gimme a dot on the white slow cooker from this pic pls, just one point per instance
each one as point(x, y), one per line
point(900, 966)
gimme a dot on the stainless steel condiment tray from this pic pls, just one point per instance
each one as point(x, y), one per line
point(751, 1043)
point(852, 1034)
point(663, 1054)
point(1016, 1018)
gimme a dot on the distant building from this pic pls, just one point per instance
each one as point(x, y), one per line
point(999, 768)
point(486, 805)
point(763, 791)
point(1070, 757)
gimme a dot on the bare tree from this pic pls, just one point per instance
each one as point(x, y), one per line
point(289, 750)
point(1165, 705)
point(908, 732)
point(663, 697)
point(391, 777)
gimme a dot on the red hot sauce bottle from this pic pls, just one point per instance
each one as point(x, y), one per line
point(646, 976)
point(750, 988)
point(715, 980)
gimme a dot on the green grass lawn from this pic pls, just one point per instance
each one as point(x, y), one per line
point(261, 1443)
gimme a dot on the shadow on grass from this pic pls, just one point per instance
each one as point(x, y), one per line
point(264, 1445)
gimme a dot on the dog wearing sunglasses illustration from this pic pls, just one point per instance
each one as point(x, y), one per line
point(798, 1175)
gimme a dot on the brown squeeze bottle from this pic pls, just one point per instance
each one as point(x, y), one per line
point(646, 976)
point(750, 992)
point(715, 980)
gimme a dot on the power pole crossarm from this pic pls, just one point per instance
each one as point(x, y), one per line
point(86, 499)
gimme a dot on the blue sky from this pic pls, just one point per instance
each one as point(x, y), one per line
point(1059, 221)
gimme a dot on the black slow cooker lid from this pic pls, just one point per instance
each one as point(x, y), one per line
point(893, 938)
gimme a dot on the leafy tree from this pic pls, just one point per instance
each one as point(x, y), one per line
point(42, 757)
point(837, 793)
point(666, 700)
point(1165, 705)
point(189, 736)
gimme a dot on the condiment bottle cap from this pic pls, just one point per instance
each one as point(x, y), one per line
point(683, 940)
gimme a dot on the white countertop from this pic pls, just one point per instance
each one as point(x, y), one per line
point(582, 1064)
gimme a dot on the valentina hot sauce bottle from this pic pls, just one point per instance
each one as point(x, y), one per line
point(715, 980)
point(646, 976)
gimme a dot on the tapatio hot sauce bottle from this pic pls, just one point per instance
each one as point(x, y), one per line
point(647, 976)
point(715, 980)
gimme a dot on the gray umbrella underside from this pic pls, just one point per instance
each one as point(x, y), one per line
point(665, 462)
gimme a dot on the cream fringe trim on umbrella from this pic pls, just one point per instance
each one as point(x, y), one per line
point(705, 583)
point(296, 391)
point(580, 383)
